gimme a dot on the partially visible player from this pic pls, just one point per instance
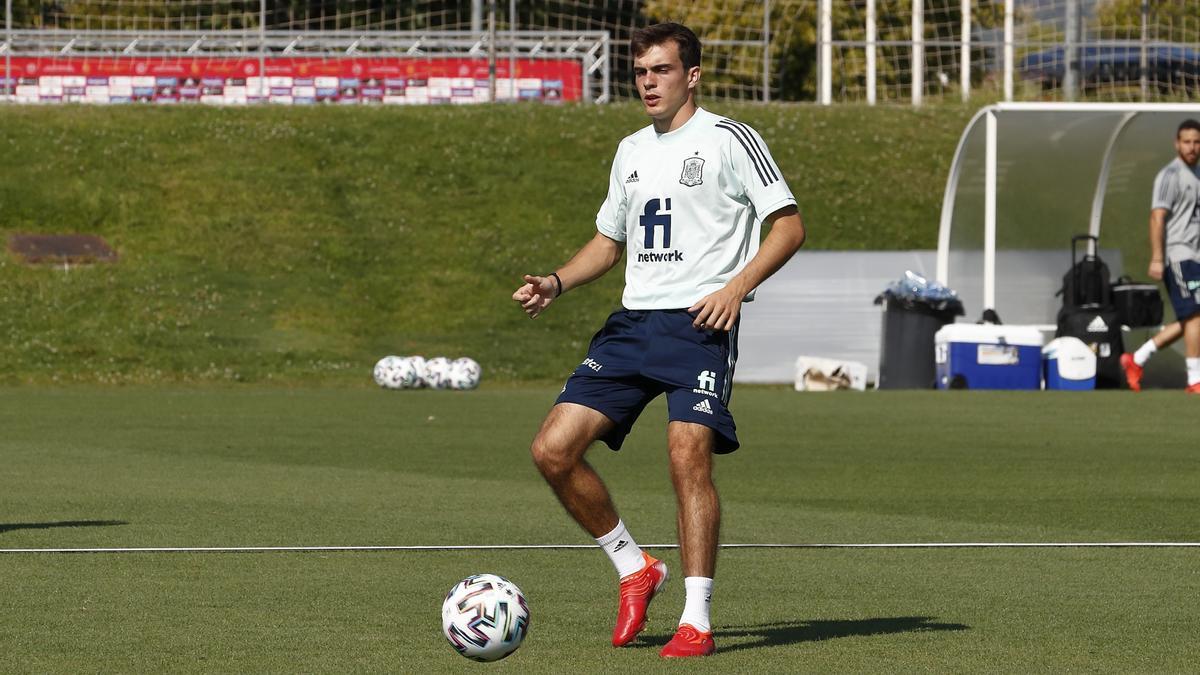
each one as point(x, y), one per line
point(687, 196)
point(1175, 221)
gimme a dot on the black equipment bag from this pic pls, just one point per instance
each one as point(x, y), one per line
point(1138, 304)
point(1100, 329)
point(1088, 312)
point(1087, 282)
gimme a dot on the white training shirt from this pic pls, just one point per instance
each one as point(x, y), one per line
point(689, 206)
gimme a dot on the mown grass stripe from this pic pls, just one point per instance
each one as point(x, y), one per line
point(517, 547)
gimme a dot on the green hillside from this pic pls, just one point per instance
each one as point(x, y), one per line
point(291, 244)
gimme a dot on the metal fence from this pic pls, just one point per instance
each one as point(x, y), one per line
point(1011, 50)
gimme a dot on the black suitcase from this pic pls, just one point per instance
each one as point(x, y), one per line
point(1087, 283)
point(1138, 304)
point(1100, 329)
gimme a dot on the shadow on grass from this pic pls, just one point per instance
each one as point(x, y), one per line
point(785, 633)
point(9, 527)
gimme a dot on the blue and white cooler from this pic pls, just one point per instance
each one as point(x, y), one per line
point(987, 356)
point(1069, 364)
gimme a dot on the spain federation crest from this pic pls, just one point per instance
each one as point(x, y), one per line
point(693, 172)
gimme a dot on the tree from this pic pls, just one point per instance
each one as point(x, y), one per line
point(1168, 20)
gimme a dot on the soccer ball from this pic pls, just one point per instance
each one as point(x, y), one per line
point(380, 373)
point(406, 373)
point(388, 372)
point(395, 372)
point(464, 373)
point(485, 617)
point(437, 373)
point(418, 364)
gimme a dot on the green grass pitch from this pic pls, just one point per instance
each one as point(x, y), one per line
point(262, 466)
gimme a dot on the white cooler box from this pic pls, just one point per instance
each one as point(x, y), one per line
point(1069, 364)
point(986, 356)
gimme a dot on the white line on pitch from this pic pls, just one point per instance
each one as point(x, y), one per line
point(510, 547)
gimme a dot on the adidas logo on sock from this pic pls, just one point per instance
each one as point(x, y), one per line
point(703, 407)
point(620, 545)
point(633, 178)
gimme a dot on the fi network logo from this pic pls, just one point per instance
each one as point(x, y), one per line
point(707, 380)
point(652, 220)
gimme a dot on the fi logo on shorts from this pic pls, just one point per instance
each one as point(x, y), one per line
point(706, 383)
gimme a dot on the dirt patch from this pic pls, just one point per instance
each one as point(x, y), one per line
point(41, 249)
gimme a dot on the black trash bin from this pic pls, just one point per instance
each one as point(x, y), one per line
point(913, 312)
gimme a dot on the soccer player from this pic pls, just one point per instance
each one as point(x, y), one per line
point(687, 196)
point(1175, 221)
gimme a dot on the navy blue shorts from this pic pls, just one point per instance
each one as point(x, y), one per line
point(639, 354)
point(1183, 285)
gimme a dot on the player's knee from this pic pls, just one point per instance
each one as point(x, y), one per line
point(691, 467)
point(691, 477)
point(550, 458)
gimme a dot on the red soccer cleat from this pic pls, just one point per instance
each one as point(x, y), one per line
point(637, 590)
point(689, 642)
point(1193, 388)
point(1133, 372)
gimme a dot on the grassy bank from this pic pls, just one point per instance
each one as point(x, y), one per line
point(303, 244)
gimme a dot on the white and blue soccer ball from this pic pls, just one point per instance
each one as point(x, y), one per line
point(388, 372)
point(437, 373)
point(485, 617)
point(465, 373)
point(396, 372)
point(418, 364)
point(409, 375)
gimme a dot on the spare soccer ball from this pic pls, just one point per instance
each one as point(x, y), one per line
point(464, 373)
point(437, 373)
point(387, 372)
point(485, 617)
point(418, 364)
point(405, 372)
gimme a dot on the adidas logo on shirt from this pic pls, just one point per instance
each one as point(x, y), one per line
point(633, 178)
point(1097, 325)
point(703, 407)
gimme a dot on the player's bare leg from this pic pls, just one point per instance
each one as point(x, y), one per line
point(1134, 363)
point(699, 522)
point(1168, 335)
point(699, 509)
point(1191, 344)
point(558, 451)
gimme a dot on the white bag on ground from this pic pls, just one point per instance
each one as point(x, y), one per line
point(814, 373)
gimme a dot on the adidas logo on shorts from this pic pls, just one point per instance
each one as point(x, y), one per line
point(703, 407)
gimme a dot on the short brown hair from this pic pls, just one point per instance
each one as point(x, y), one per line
point(689, 45)
point(1187, 124)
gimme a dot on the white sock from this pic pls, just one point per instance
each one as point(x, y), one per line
point(1193, 366)
point(622, 550)
point(695, 608)
point(1143, 354)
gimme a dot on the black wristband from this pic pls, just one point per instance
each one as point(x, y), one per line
point(558, 283)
